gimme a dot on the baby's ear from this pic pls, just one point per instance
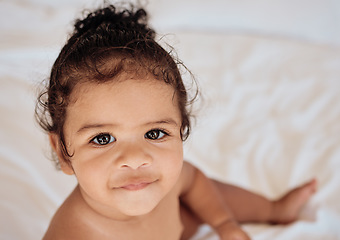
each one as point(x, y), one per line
point(65, 164)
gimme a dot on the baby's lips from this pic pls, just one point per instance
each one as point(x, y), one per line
point(135, 187)
point(136, 184)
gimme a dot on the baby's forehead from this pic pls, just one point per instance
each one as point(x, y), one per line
point(127, 102)
point(151, 84)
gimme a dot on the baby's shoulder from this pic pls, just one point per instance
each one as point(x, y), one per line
point(62, 224)
point(67, 223)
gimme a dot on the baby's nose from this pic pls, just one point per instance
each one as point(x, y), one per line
point(134, 157)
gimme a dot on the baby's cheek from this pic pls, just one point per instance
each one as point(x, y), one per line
point(175, 166)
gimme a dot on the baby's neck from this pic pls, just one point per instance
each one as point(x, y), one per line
point(75, 219)
point(154, 225)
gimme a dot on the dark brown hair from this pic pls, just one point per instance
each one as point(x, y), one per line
point(105, 44)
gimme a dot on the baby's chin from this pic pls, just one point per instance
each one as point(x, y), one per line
point(139, 203)
point(140, 208)
point(136, 211)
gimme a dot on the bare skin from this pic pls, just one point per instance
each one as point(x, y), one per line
point(76, 220)
point(133, 183)
point(248, 207)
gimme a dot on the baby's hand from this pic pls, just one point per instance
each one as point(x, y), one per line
point(230, 230)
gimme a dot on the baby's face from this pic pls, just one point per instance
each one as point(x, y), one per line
point(125, 137)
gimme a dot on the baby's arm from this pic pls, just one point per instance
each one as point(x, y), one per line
point(202, 197)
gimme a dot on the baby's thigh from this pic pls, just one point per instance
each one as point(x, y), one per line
point(190, 222)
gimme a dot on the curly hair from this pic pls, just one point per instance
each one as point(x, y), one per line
point(105, 44)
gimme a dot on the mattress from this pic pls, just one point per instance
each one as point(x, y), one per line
point(267, 120)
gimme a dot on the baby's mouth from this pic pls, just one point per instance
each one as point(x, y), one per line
point(136, 185)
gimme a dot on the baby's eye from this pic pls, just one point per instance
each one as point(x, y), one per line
point(155, 134)
point(103, 139)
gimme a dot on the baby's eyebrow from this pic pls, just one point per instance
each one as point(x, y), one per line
point(86, 127)
point(169, 121)
point(93, 126)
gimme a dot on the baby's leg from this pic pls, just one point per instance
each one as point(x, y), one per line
point(250, 207)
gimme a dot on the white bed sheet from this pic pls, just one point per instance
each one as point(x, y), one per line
point(270, 118)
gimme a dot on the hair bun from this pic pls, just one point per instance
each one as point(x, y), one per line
point(116, 21)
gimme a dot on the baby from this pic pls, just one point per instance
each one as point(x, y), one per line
point(116, 114)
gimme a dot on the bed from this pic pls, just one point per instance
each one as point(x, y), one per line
point(268, 118)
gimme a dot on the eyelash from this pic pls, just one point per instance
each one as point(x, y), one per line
point(163, 131)
point(113, 139)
